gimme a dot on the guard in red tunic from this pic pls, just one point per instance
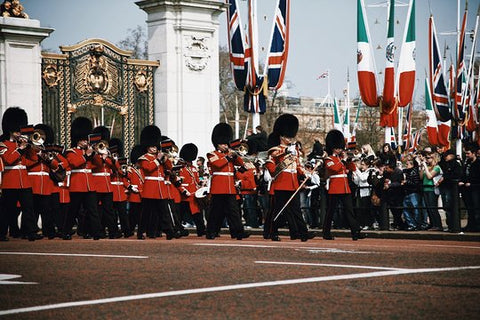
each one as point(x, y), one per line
point(82, 187)
point(16, 154)
point(61, 194)
point(222, 164)
point(120, 186)
point(337, 165)
point(247, 181)
point(190, 184)
point(136, 180)
point(285, 168)
point(155, 193)
point(103, 166)
point(42, 184)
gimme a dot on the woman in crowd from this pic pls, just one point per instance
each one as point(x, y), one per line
point(429, 169)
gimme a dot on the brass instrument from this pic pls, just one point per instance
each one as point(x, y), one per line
point(101, 147)
point(284, 164)
point(239, 147)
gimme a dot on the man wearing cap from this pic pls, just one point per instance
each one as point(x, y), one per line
point(16, 155)
point(222, 164)
point(337, 165)
point(285, 168)
point(82, 187)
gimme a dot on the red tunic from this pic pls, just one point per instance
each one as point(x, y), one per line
point(247, 179)
point(136, 180)
point(190, 183)
point(101, 172)
point(62, 187)
point(287, 179)
point(337, 175)
point(39, 175)
point(15, 174)
point(2, 168)
point(154, 186)
point(119, 188)
point(81, 179)
point(222, 173)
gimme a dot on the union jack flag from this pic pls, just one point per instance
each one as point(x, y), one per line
point(323, 75)
point(277, 56)
point(415, 140)
point(236, 44)
point(439, 89)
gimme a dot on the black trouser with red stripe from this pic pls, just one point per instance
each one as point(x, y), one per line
point(225, 205)
point(9, 212)
point(347, 212)
point(292, 213)
point(42, 205)
point(90, 220)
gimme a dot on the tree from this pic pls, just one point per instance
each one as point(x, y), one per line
point(136, 41)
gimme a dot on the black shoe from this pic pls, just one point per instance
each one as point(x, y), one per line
point(243, 235)
point(140, 236)
point(96, 237)
point(307, 236)
point(174, 235)
point(128, 234)
point(358, 235)
point(210, 236)
point(87, 236)
point(116, 235)
point(200, 233)
point(67, 237)
point(184, 233)
point(411, 229)
point(328, 237)
point(275, 238)
point(34, 236)
point(3, 238)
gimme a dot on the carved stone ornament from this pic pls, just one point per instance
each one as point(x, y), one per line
point(50, 75)
point(71, 108)
point(124, 110)
point(98, 100)
point(12, 8)
point(197, 53)
point(141, 81)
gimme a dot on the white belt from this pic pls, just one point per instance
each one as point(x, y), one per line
point(185, 184)
point(101, 174)
point(155, 178)
point(82, 171)
point(39, 173)
point(61, 184)
point(338, 176)
point(290, 170)
point(18, 166)
point(117, 183)
point(223, 173)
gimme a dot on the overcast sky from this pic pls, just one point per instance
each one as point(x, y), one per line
point(323, 33)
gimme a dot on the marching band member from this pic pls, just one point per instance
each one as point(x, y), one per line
point(136, 180)
point(190, 184)
point(120, 186)
point(155, 193)
point(16, 155)
point(82, 187)
point(42, 184)
point(61, 194)
point(284, 167)
point(222, 188)
point(103, 166)
point(337, 165)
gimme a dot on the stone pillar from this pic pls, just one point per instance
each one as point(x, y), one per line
point(20, 66)
point(183, 37)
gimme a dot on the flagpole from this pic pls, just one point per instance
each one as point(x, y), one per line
point(255, 115)
point(237, 119)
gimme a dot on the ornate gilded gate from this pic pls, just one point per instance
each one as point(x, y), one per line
point(98, 80)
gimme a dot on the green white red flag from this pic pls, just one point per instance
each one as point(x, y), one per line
point(406, 64)
point(367, 81)
point(432, 129)
point(388, 100)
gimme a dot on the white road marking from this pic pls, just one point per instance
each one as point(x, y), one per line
point(312, 249)
point(71, 255)
point(231, 287)
point(5, 279)
point(329, 265)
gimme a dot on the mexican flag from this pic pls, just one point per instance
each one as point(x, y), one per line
point(367, 81)
point(406, 64)
point(388, 102)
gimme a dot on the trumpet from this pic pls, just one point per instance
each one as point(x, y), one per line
point(239, 147)
point(101, 147)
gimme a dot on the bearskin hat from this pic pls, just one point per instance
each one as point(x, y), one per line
point(81, 128)
point(13, 119)
point(103, 131)
point(116, 143)
point(222, 134)
point(334, 139)
point(137, 152)
point(49, 135)
point(286, 125)
point(150, 136)
point(189, 152)
point(273, 140)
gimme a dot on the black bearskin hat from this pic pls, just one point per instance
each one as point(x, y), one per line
point(222, 134)
point(116, 143)
point(13, 119)
point(81, 128)
point(273, 140)
point(103, 131)
point(150, 136)
point(334, 139)
point(137, 152)
point(286, 125)
point(189, 152)
point(49, 135)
